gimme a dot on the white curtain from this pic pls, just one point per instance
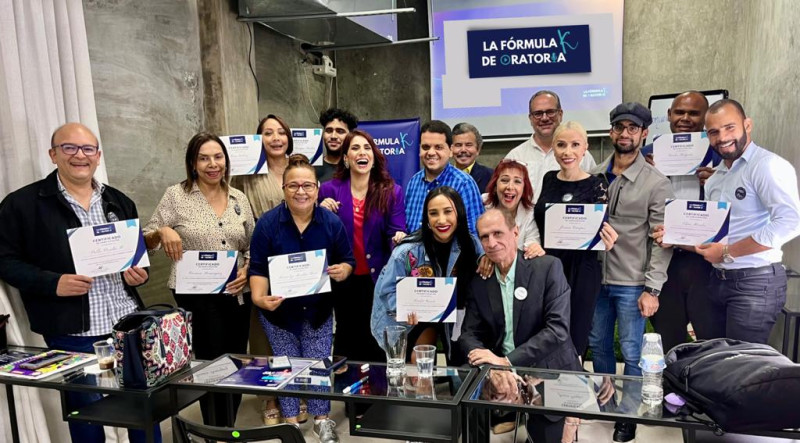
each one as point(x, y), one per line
point(45, 81)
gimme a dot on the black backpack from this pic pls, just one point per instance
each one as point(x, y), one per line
point(741, 386)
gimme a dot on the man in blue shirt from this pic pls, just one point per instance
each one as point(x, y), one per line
point(434, 152)
point(748, 285)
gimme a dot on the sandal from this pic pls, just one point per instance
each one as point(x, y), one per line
point(271, 416)
point(570, 433)
point(302, 417)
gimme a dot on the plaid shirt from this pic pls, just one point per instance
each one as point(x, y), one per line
point(464, 185)
point(108, 301)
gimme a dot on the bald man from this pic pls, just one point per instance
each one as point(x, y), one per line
point(71, 311)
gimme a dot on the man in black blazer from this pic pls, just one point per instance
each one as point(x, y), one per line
point(467, 143)
point(531, 295)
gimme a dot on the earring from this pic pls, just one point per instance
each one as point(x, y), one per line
point(347, 165)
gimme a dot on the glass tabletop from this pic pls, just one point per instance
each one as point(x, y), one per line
point(568, 393)
point(352, 379)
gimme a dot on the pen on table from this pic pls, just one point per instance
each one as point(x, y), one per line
point(354, 387)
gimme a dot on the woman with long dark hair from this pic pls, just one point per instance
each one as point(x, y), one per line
point(442, 247)
point(371, 207)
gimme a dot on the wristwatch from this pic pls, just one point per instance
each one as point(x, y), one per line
point(726, 256)
point(652, 291)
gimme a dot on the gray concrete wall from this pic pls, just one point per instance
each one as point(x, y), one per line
point(145, 57)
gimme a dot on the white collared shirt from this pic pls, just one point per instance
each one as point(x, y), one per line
point(540, 163)
point(762, 189)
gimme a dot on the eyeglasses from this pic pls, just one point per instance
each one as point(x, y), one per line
point(618, 128)
point(508, 161)
point(539, 114)
point(309, 187)
point(71, 149)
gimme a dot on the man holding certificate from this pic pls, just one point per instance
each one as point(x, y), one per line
point(305, 238)
point(635, 270)
point(748, 284)
point(519, 316)
point(71, 311)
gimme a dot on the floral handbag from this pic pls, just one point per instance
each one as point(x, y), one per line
point(152, 344)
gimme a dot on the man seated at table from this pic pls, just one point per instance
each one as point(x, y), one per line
point(520, 315)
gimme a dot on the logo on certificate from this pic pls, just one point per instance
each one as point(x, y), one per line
point(681, 138)
point(207, 256)
point(574, 209)
point(300, 257)
point(104, 230)
point(299, 133)
point(237, 140)
point(426, 283)
point(696, 206)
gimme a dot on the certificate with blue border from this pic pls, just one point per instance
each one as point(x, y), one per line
point(108, 248)
point(694, 222)
point(205, 272)
point(246, 154)
point(574, 226)
point(432, 299)
point(681, 153)
point(299, 274)
point(308, 141)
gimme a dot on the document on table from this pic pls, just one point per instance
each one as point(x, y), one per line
point(692, 222)
point(571, 391)
point(682, 153)
point(246, 154)
point(433, 299)
point(299, 274)
point(107, 249)
point(574, 226)
point(309, 143)
point(205, 272)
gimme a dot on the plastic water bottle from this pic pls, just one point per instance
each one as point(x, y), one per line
point(652, 364)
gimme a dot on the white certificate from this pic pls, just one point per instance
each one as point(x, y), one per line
point(309, 143)
point(574, 226)
point(298, 274)
point(571, 391)
point(246, 154)
point(433, 299)
point(692, 222)
point(682, 153)
point(107, 249)
point(205, 272)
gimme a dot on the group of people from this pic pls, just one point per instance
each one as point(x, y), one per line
point(518, 304)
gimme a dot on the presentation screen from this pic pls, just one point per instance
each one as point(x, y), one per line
point(659, 105)
point(492, 55)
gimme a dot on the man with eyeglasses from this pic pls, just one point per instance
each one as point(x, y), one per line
point(636, 268)
point(71, 311)
point(545, 114)
point(337, 124)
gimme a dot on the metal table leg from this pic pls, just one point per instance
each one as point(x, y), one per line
point(12, 413)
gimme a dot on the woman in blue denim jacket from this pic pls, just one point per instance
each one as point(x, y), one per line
point(443, 247)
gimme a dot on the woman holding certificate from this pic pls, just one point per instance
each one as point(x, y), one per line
point(510, 188)
point(371, 207)
point(442, 247)
point(265, 192)
point(573, 185)
point(291, 244)
point(204, 213)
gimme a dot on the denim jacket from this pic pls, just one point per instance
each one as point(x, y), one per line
point(409, 260)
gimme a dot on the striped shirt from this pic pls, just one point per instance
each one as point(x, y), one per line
point(418, 188)
point(108, 301)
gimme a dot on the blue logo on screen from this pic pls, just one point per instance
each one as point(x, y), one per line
point(696, 206)
point(237, 140)
point(574, 209)
point(426, 283)
point(298, 133)
point(104, 230)
point(210, 256)
point(681, 138)
point(529, 51)
point(300, 257)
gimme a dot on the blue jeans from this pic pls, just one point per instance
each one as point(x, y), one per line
point(81, 432)
point(617, 303)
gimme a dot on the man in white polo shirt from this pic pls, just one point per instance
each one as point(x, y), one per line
point(748, 284)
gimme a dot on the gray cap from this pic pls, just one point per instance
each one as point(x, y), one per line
point(633, 111)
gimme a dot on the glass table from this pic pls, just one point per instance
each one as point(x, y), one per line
point(405, 408)
point(572, 394)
